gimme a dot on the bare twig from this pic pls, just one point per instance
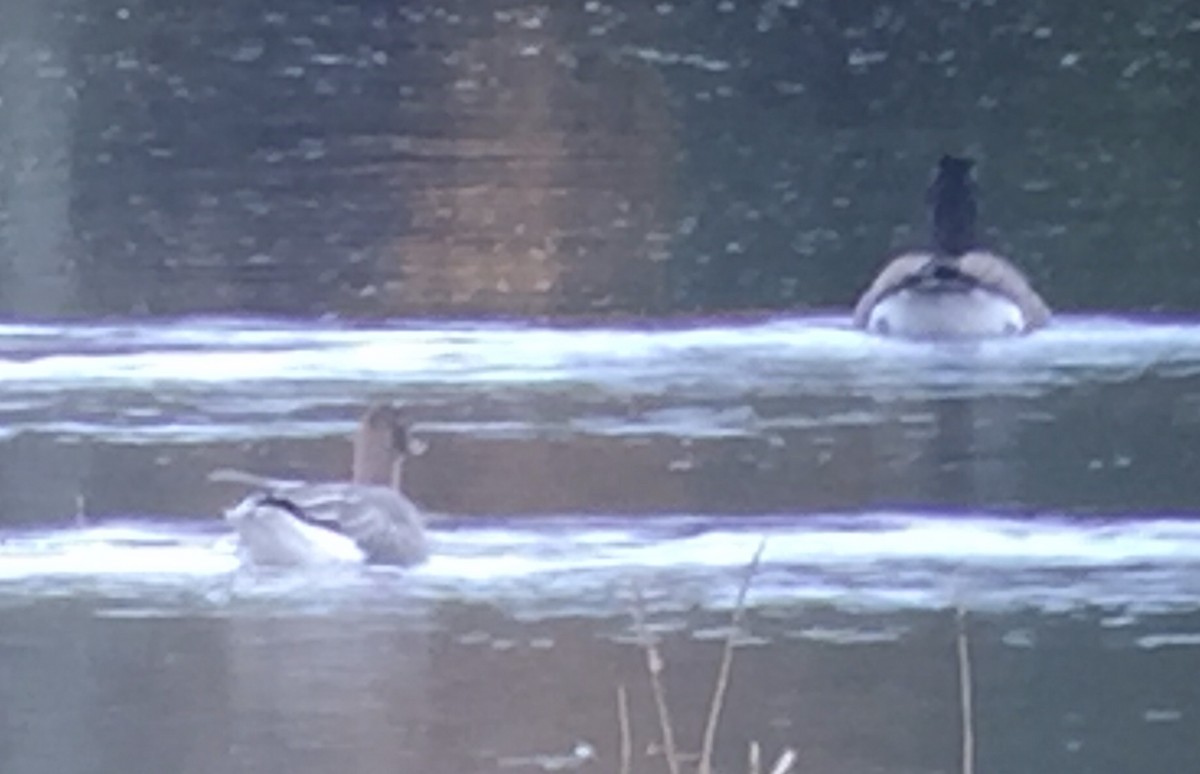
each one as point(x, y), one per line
point(654, 665)
point(964, 695)
point(626, 733)
point(718, 699)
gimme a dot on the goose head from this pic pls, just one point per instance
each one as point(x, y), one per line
point(380, 446)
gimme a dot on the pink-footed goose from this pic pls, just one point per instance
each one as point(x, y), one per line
point(366, 520)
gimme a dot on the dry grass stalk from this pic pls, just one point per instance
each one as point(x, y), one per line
point(785, 761)
point(654, 665)
point(722, 684)
point(964, 695)
point(783, 764)
point(626, 732)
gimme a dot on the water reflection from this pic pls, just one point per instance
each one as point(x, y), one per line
point(776, 415)
point(506, 649)
point(145, 646)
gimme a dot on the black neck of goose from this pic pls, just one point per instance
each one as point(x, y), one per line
point(952, 208)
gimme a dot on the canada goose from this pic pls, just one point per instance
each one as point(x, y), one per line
point(365, 520)
point(958, 290)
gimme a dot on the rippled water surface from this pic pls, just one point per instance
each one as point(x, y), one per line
point(602, 254)
point(587, 565)
point(771, 415)
point(849, 616)
point(580, 478)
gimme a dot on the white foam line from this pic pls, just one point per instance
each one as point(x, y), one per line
point(889, 560)
point(961, 540)
point(497, 353)
point(103, 560)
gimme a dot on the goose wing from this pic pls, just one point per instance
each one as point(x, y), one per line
point(997, 274)
point(888, 280)
point(989, 270)
point(386, 525)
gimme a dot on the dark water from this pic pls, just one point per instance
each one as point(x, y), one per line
point(583, 244)
point(467, 158)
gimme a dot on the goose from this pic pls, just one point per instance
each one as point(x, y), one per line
point(366, 520)
point(957, 290)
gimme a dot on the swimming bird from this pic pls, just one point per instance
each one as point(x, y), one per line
point(958, 289)
point(365, 520)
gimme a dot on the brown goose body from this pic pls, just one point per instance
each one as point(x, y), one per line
point(368, 519)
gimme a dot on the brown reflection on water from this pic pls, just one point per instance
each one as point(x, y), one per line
point(550, 191)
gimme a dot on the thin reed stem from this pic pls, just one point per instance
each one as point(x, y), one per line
point(626, 732)
point(718, 699)
point(966, 703)
point(784, 763)
point(654, 665)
